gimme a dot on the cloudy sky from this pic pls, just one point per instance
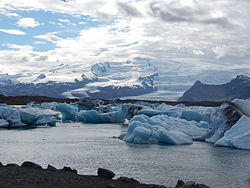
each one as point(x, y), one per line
point(204, 34)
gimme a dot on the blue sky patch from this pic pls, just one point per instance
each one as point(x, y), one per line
point(65, 26)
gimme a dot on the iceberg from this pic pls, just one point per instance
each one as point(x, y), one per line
point(194, 116)
point(163, 129)
point(174, 138)
point(190, 128)
point(142, 135)
point(224, 118)
point(92, 116)
point(49, 105)
point(11, 115)
point(68, 111)
point(243, 105)
point(152, 112)
point(160, 109)
point(4, 123)
point(38, 116)
point(238, 136)
point(198, 114)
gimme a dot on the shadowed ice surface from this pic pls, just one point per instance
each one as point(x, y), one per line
point(87, 147)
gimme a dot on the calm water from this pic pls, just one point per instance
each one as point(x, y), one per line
point(87, 147)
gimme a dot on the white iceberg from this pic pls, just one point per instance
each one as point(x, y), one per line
point(238, 136)
point(160, 109)
point(174, 138)
point(243, 105)
point(11, 115)
point(4, 123)
point(68, 111)
point(192, 113)
point(163, 129)
point(49, 105)
point(194, 116)
point(38, 116)
point(92, 116)
point(153, 112)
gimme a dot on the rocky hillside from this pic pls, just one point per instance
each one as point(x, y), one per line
point(236, 88)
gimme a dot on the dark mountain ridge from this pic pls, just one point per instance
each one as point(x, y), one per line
point(239, 87)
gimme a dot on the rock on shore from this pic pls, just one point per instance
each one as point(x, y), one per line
point(30, 175)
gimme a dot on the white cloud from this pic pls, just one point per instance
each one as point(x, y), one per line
point(53, 23)
point(28, 22)
point(9, 14)
point(20, 47)
point(13, 31)
point(40, 42)
point(64, 20)
point(48, 37)
point(198, 52)
point(196, 31)
point(82, 23)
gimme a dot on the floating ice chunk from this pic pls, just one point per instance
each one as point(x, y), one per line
point(68, 111)
point(27, 116)
point(163, 129)
point(174, 138)
point(144, 119)
point(238, 136)
point(132, 126)
point(203, 124)
point(38, 116)
point(164, 109)
point(49, 105)
point(92, 116)
point(11, 115)
point(217, 133)
point(194, 116)
point(141, 133)
point(217, 125)
point(46, 119)
point(243, 105)
point(152, 112)
point(190, 128)
point(3, 123)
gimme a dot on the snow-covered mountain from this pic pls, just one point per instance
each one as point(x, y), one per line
point(101, 80)
point(139, 78)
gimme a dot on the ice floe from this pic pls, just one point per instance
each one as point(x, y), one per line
point(14, 117)
point(93, 116)
point(68, 111)
point(162, 129)
point(38, 116)
point(10, 115)
point(148, 123)
point(238, 136)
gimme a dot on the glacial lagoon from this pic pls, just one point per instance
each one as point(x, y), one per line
point(87, 147)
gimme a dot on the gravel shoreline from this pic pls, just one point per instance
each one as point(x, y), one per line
point(31, 175)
